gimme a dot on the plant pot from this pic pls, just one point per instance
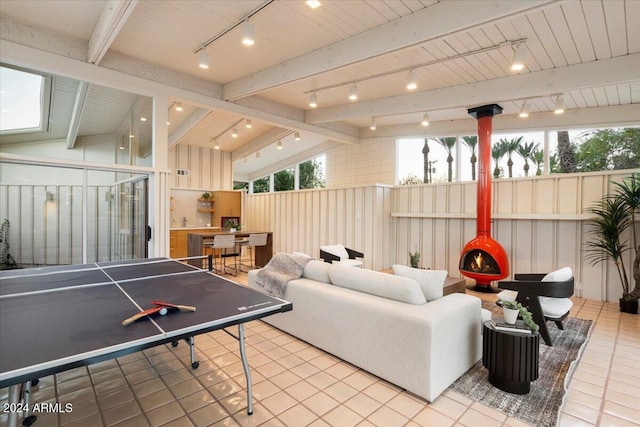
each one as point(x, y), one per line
point(510, 315)
point(232, 230)
point(629, 306)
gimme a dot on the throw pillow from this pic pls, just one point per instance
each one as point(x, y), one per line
point(431, 281)
point(317, 270)
point(337, 250)
point(376, 283)
point(561, 275)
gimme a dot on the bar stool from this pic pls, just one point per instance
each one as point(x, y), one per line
point(255, 240)
point(221, 244)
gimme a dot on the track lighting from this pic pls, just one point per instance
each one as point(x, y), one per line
point(248, 124)
point(296, 136)
point(178, 106)
point(560, 107)
point(412, 80)
point(313, 100)
point(234, 132)
point(425, 120)
point(245, 161)
point(215, 143)
point(168, 123)
point(353, 92)
point(143, 119)
point(122, 145)
point(524, 111)
point(247, 33)
point(518, 58)
point(204, 60)
point(372, 126)
point(313, 4)
point(257, 154)
point(279, 145)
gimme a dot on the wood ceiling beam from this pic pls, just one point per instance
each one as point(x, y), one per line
point(438, 20)
point(113, 17)
point(622, 69)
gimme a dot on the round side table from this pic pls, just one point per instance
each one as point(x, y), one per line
point(511, 358)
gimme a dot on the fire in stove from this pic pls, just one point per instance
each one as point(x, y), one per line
point(480, 262)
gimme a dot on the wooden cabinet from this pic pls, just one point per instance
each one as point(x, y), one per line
point(178, 243)
point(225, 204)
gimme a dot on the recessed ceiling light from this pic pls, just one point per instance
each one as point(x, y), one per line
point(313, 4)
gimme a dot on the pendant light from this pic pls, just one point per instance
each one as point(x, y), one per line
point(560, 107)
point(425, 120)
point(247, 33)
point(204, 60)
point(353, 92)
point(313, 100)
point(412, 80)
point(518, 58)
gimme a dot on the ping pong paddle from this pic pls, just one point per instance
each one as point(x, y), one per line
point(137, 316)
point(178, 306)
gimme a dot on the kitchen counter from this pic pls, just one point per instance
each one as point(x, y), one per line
point(195, 240)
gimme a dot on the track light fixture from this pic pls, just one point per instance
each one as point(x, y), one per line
point(279, 145)
point(247, 33)
point(524, 111)
point(216, 146)
point(296, 136)
point(121, 145)
point(373, 126)
point(313, 100)
point(257, 154)
point(353, 92)
point(204, 60)
point(412, 80)
point(245, 161)
point(313, 4)
point(248, 124)
point(560, 107)
point(178, 106)
point(518, 57)
point(234, 132)
point(425, 120)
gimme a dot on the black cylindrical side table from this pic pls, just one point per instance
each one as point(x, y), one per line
point(511, 358)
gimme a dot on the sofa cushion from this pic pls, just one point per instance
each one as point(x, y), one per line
point(561, 275)
point(338, 250)
point(379, 284)
point(317, 270)
point(431, 281)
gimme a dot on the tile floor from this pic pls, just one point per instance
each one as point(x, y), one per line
point(295, 384)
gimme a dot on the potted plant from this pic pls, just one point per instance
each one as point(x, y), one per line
point(414, 259)
point(613, 215)
point(232, 225)
point(511, 310)
point(205, 196)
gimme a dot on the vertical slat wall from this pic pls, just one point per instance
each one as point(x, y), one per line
point(541, 222)
point(358, 217)
point(49, 232)
point(208, 169)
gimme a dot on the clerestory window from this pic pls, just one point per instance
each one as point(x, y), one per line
point(24, 101)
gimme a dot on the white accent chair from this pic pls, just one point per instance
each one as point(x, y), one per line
point(545, 296)
point(338, 254)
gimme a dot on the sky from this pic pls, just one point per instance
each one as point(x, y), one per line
point(20, 95)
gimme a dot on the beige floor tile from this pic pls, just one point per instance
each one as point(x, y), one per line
point(116, 398)
point(301, 390)
point(622, 398)
point(359, 380)
point(514, 422)
point(120, 413)
point(321, 380)
point(320, 403)
point(380, 392)
point(236, 402)
point(341, 391)
point(260, 416)
point(449, 407)
point(362, 404)
point(265, 389)
point(472, 418)
point(566, 420)
point(406, 405)
point(285, 379)
point(298, 415)
point(186, 387)
point(584, 387)
point(208, 415)
point(137, 421)
point(224, 389)
point(431, 418)
point(620, 411)
point(278, 402)
point(341, 416)
point(387, 417)
point(196, 400)
point(80, 411)
point(180, 422)
point(607, 420)
point(155, 400)
point(580, 411)
point(584, 399)
point(148, 387)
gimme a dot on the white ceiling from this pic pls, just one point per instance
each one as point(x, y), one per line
point(586, 50)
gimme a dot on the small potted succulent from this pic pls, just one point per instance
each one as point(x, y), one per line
point(512, 309)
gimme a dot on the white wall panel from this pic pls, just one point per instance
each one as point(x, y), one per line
point(209, 169)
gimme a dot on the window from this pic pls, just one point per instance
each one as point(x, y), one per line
point(24, 101)
point(594, 150)
point(261, 185)
point(311, 173)
point(284, 180)
point(425, 159)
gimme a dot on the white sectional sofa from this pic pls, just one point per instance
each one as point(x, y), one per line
point(383, 324)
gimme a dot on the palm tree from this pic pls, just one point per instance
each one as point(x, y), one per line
point(497, 152)
point(448, 142)
point(538, 158)
point(526, 152)
point(425, 157)
point(566, 153)
point(629, 192)
point(511, 146)
point(472, 143)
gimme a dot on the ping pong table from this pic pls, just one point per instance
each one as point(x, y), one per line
point(57, 318)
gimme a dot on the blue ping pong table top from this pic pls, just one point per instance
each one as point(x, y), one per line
point(56, 318)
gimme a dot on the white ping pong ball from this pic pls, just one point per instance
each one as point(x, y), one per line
point(163, 311)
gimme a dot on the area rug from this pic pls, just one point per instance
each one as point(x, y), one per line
point(540, 407)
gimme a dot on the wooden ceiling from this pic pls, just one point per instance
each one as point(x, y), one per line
point(461, 51)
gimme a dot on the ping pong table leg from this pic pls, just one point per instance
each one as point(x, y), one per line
point(14, 399)
point(245, 366)
point(192, 353)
